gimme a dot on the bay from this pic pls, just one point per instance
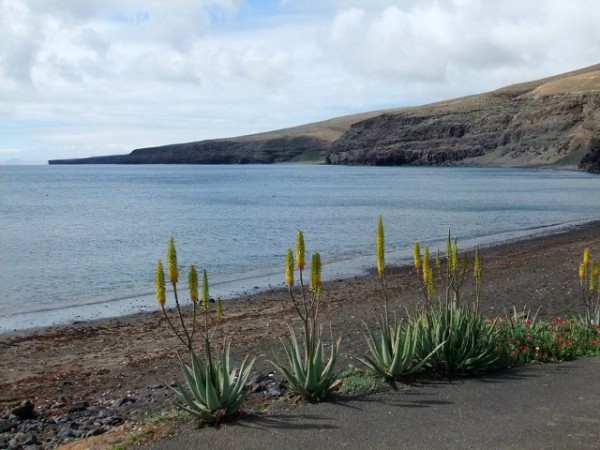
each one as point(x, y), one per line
point(82, 242)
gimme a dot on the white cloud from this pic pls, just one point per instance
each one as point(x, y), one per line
point(433, 41)
point(104, 76)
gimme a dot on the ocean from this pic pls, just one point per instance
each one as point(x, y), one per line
point(81, 242)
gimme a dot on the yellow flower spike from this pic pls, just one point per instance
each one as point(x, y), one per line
point(219, 310)
point(430, 284)
point(594, 276)
point(477, 265)
point(205, 295)
point(586, 257)
point(193, 283)
point(581, 272)
point(300, 262)
point(417, 256)
point(160, 284)
point(315, 274)
point(380, 250)
point(426, 265)
point(455, 256)
point(172, 262)
point(289, 268)
point(448, 249)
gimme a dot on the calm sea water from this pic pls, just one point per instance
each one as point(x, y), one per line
point(81, 242)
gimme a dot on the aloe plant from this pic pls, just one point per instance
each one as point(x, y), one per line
point(307, 371)
point(464, 342)
point(394, 350)
point(214, 390)
point(394, 353)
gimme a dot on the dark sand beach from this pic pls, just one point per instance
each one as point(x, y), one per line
point(134, 357)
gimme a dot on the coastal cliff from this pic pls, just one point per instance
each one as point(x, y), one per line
point(554, 121)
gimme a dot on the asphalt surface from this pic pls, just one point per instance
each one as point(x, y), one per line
point(554, 406)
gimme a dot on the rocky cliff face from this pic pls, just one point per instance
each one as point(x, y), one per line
point(230, 151)
point(551, 121)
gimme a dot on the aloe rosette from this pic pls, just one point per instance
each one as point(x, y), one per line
point(394, 353)
point(213, 390)
point(308, 371)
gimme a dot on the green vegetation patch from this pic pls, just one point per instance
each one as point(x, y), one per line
point(309, 157)
point(357, 380)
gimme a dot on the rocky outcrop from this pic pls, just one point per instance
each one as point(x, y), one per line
point(229, 151)
point(591, 158)
point(552, 121)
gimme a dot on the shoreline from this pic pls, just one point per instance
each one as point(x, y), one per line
point(104, 361)
point(359, 266)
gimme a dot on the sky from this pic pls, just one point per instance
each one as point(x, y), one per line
point(99, 77)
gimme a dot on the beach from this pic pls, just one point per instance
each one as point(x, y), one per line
point(134, 357)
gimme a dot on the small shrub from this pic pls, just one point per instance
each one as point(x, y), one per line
point(523, 340)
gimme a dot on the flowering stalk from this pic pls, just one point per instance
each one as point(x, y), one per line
point(174, 278)
point(417, 256)
point(161, 298)
point(477, 273)
point(380, 247)
point(300, 250)
point(589, 280)
point(380, 258)
point(160, 284)
point(289, 269)
point(193, 287)
point(185, 333)
point(172, 262)
point(307, 308)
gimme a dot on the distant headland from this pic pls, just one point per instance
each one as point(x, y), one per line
point(549, 122)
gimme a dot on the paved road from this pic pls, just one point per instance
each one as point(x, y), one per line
point(556, 406)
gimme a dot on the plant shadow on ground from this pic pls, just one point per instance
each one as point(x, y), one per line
point(285, 421)
point(519, 373)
